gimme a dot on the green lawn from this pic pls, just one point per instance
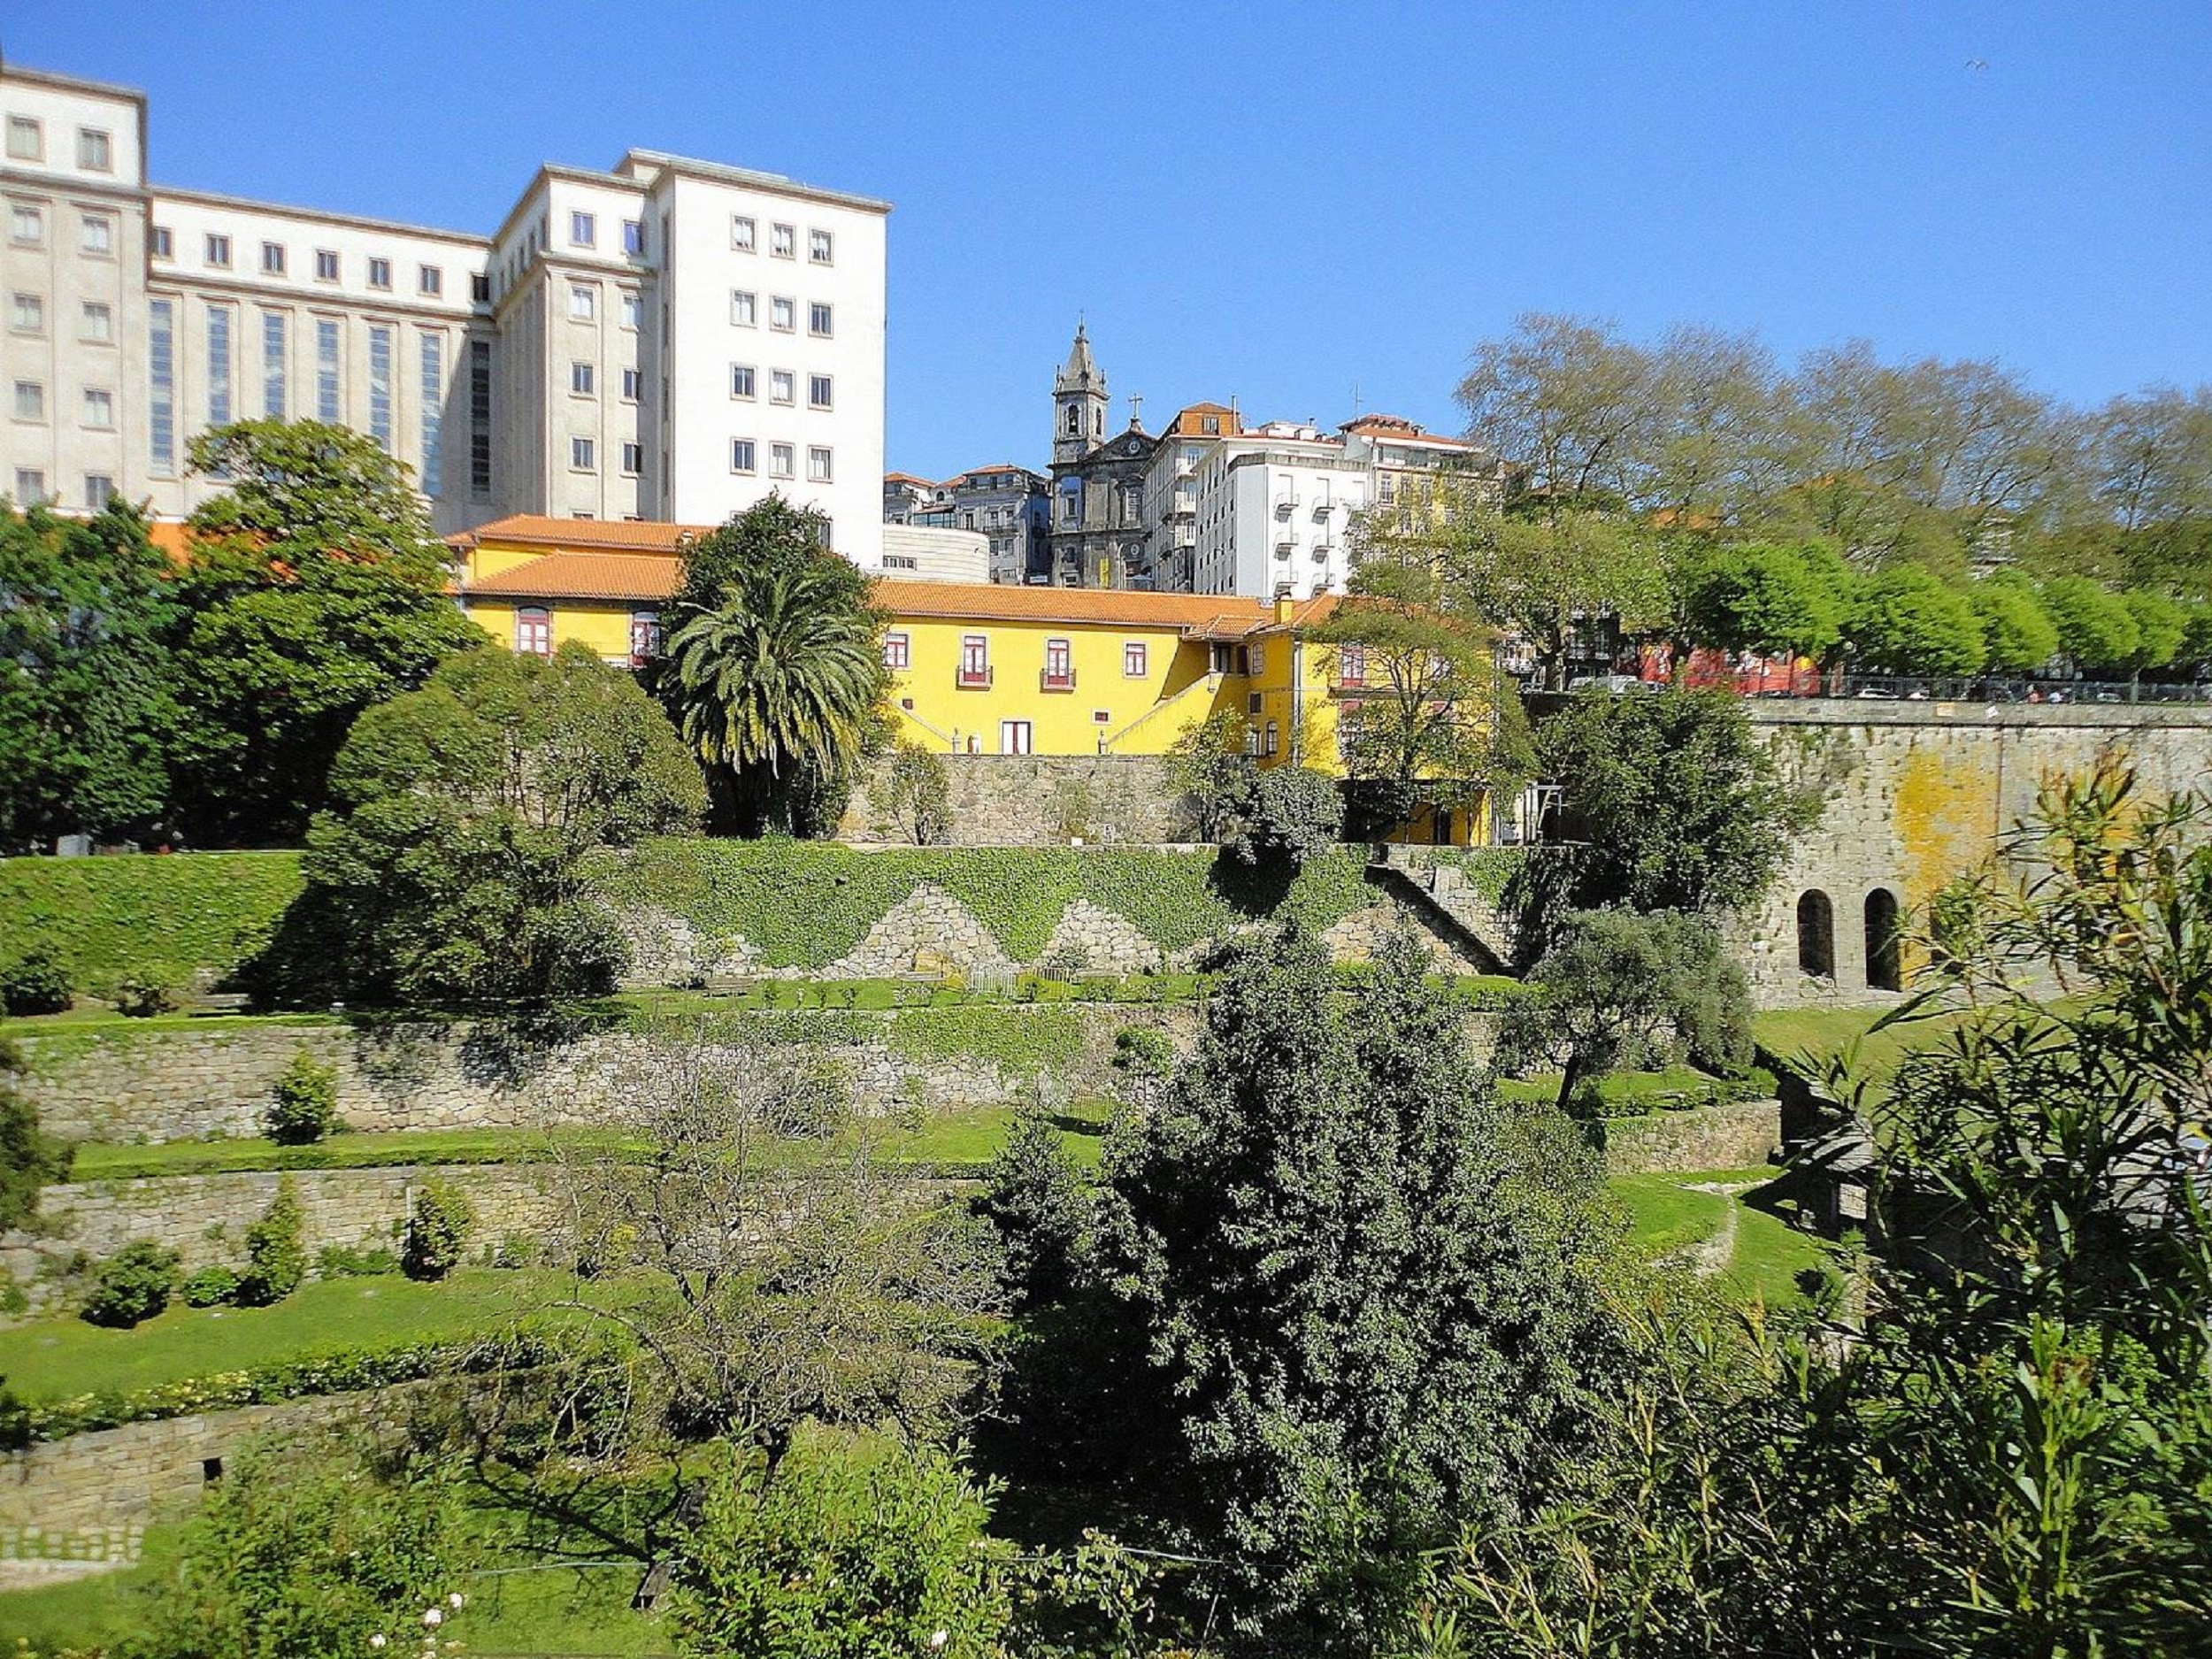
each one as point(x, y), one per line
point(1667, 1217)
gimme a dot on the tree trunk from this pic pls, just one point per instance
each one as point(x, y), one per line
point(1570, 1075)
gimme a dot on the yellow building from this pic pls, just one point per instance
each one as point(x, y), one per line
point(976, 669)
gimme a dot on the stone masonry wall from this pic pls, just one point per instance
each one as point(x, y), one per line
point(1039, 801)
point(1922, 793)
point(1738, 1136)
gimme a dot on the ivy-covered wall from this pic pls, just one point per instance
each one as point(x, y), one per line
point(183, 920)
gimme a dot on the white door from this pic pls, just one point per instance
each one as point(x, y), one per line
point(1013, 737)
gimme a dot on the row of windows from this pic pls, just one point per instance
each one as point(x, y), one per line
point(1058, 672)
point(96, 231)
point(783, 458)
point(30, 488)
point(276, 261)
point(783, 314)
point(583, 232)
point(97, 410)
point(783, 241)
point(96, 319)
point(26, 141)
point(782, 387)
point(583, 306)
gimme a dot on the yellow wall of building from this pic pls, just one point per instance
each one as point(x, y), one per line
point(604, 627)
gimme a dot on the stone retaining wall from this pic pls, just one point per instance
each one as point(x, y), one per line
point(1739, 1136)
point(1039, 801)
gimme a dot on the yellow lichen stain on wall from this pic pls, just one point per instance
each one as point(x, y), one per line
point(1945, 812)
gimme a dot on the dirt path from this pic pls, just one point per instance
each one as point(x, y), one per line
point(1713, 1256)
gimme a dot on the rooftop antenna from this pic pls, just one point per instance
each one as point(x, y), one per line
point(1355, 403)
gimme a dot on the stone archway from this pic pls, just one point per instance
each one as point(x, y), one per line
point(1884, 956)
point(1816, 934)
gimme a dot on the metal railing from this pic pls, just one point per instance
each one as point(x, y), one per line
point(1911, 688)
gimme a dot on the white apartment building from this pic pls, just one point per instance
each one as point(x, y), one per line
point(671, 340)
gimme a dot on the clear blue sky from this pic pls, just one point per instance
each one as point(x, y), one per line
point(1280, 202)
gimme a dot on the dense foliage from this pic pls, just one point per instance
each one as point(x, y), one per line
point(132, 1286)
point(1279, 816)
point(452, 868)
point(916, 793)
point(29, 1158)
point(774, 668)
point(276, 1250)
point(303, 1103)
point(438, 1225)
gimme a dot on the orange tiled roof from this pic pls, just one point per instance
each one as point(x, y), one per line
point(172, 540)
point(585, 575)
point(581, 532)
point(1109, 606)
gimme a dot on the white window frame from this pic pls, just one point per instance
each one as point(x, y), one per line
point(633, 385)
point(744, 455)
point(96, 150)
point(783, 460)
point(583, 303)
point(1135, 657)
point(821, 320)
point(782, 385)
point(272, 258)
point(820, 392)
point(821, 248)
point(583, 229)
point(783, 241)
point(430, 280)
point(161, 242)
point(533, 630)
point(744, 234)
point(22, 128)
point(633, 459)
point(821, 465)
point(30, 402)
point(744, 308)
point(99, 409)
point(26, 226)
point(749, 389)
point(381, 275)
point(104, 335)
point(1017, 737)
point(96, 236)
point(583, 455)
point(583, 378)
point(783, 313)
point(327, 266)
point(898, 650)
point(27, 313)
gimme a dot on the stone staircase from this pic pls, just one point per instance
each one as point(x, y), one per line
point(1440, 892)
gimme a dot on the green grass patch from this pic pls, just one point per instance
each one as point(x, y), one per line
point(1667, 1217)
point(152, 919)
point(103, 1163)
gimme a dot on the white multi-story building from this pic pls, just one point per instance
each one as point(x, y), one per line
point(670, 340)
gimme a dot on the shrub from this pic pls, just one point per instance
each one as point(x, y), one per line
point(143, 999)
point(29, 1158)
point(133, 1284)
point(918, 794)
point(336, 1260)
point(303, 1107)
point(812, 1101)
point(436, 1228)
point(209, 1288)
point(34, 983)
point(276, 1255)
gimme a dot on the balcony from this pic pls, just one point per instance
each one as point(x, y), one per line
point(1285, 501)
point(1284, 548)
point(1322, 550)
point(1183, 535)
point(975, 678)
point(1050, 681)
point(1323, 507)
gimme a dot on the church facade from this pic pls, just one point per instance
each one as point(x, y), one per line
point(1099, 530)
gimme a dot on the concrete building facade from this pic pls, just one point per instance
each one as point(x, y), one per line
point(669, 339)
point(1004, 502)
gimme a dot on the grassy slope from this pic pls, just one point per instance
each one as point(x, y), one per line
point(160, 919)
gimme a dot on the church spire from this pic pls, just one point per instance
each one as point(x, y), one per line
point(1079, 372)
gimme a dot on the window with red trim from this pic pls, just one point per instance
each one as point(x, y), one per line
point(1059, 667)
point(896, 647)
point(533, 631)
point(975, 660)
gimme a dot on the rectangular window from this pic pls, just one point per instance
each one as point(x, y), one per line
point(429, 281)
point(381, 386)
point(781, 460)
point(818, 320)
point(533, 631)
point(217, 251)
point(897, 650)
point(583, 304)
point(740, 454)
point(30, 399)
point(780, 386)
point(1351, 665)
point(95, 152)
point(817, 465)
point(27, 140)
point(818, 247)
point(783, 241)
point(1274, 737)
point(633, 385)
point(744, 308)
point(26, 315)
point(645, 637)
point(975, 660)
point(1255, 660)
point(783, 313)
point(272, 258)
point(633, 237)
point(1059, 667)
point(741, 232)
point(26, 226)
point(481, 287)
point(99, 407)
point(632, 310)
point(99, 489)
point(480, 417)
point(583, 230)
point(325, 264)
point(633, 459)
point(1133, 653)
point(582, 455)
point(219, 407)
point(1015, 737)
point(379, 273)
point(96, 323)
point(818, 391)
point(580, 378)
point(160, 242)
point(273, 326)
point(96, 236)
point(30, 486)
point(161, 387)
point(431, 361)
point(328, 403)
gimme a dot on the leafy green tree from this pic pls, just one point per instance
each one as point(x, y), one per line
point(847, 1550)
point(2097, 632)
point(1771, 598)
point(1909, 620)
point(2012, 1456)
point(29, 1158)
point(305, 1549)
point(917, 791)
point(774, 670)
point(315, 590)
point(1280, 815)
point(1622, 989)
point(1034, 1196)
point(276, 1250)
point(2161, 626)
point(2017, 633)
point(1545, 576)
point(453, 868)
point(1430, 720)
point(437, 1227)
point(1670, 802)
point(1371, 1315)
point(89, 714)
point(1211, 764)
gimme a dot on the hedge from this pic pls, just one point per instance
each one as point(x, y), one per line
point(158, 919)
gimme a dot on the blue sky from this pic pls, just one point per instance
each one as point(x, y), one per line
point(1285, 201)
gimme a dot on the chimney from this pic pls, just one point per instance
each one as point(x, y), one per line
point(1284, 604)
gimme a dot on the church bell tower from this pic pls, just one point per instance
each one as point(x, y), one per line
point(1079, 403)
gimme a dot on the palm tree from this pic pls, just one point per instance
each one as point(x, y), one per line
point(777, 683)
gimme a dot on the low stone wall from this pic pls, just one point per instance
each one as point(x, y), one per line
point(204, 1217)
point(1039, 801)
point(1739, 1136)
point(157, 1083)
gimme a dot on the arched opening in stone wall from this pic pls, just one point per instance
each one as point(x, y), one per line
point(1816, 934)
point(1883, 965)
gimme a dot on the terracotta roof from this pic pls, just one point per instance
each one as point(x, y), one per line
point(581, 532)
point(173, 540)
point(906, 477)
point(585, 575)
point(987, 601)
